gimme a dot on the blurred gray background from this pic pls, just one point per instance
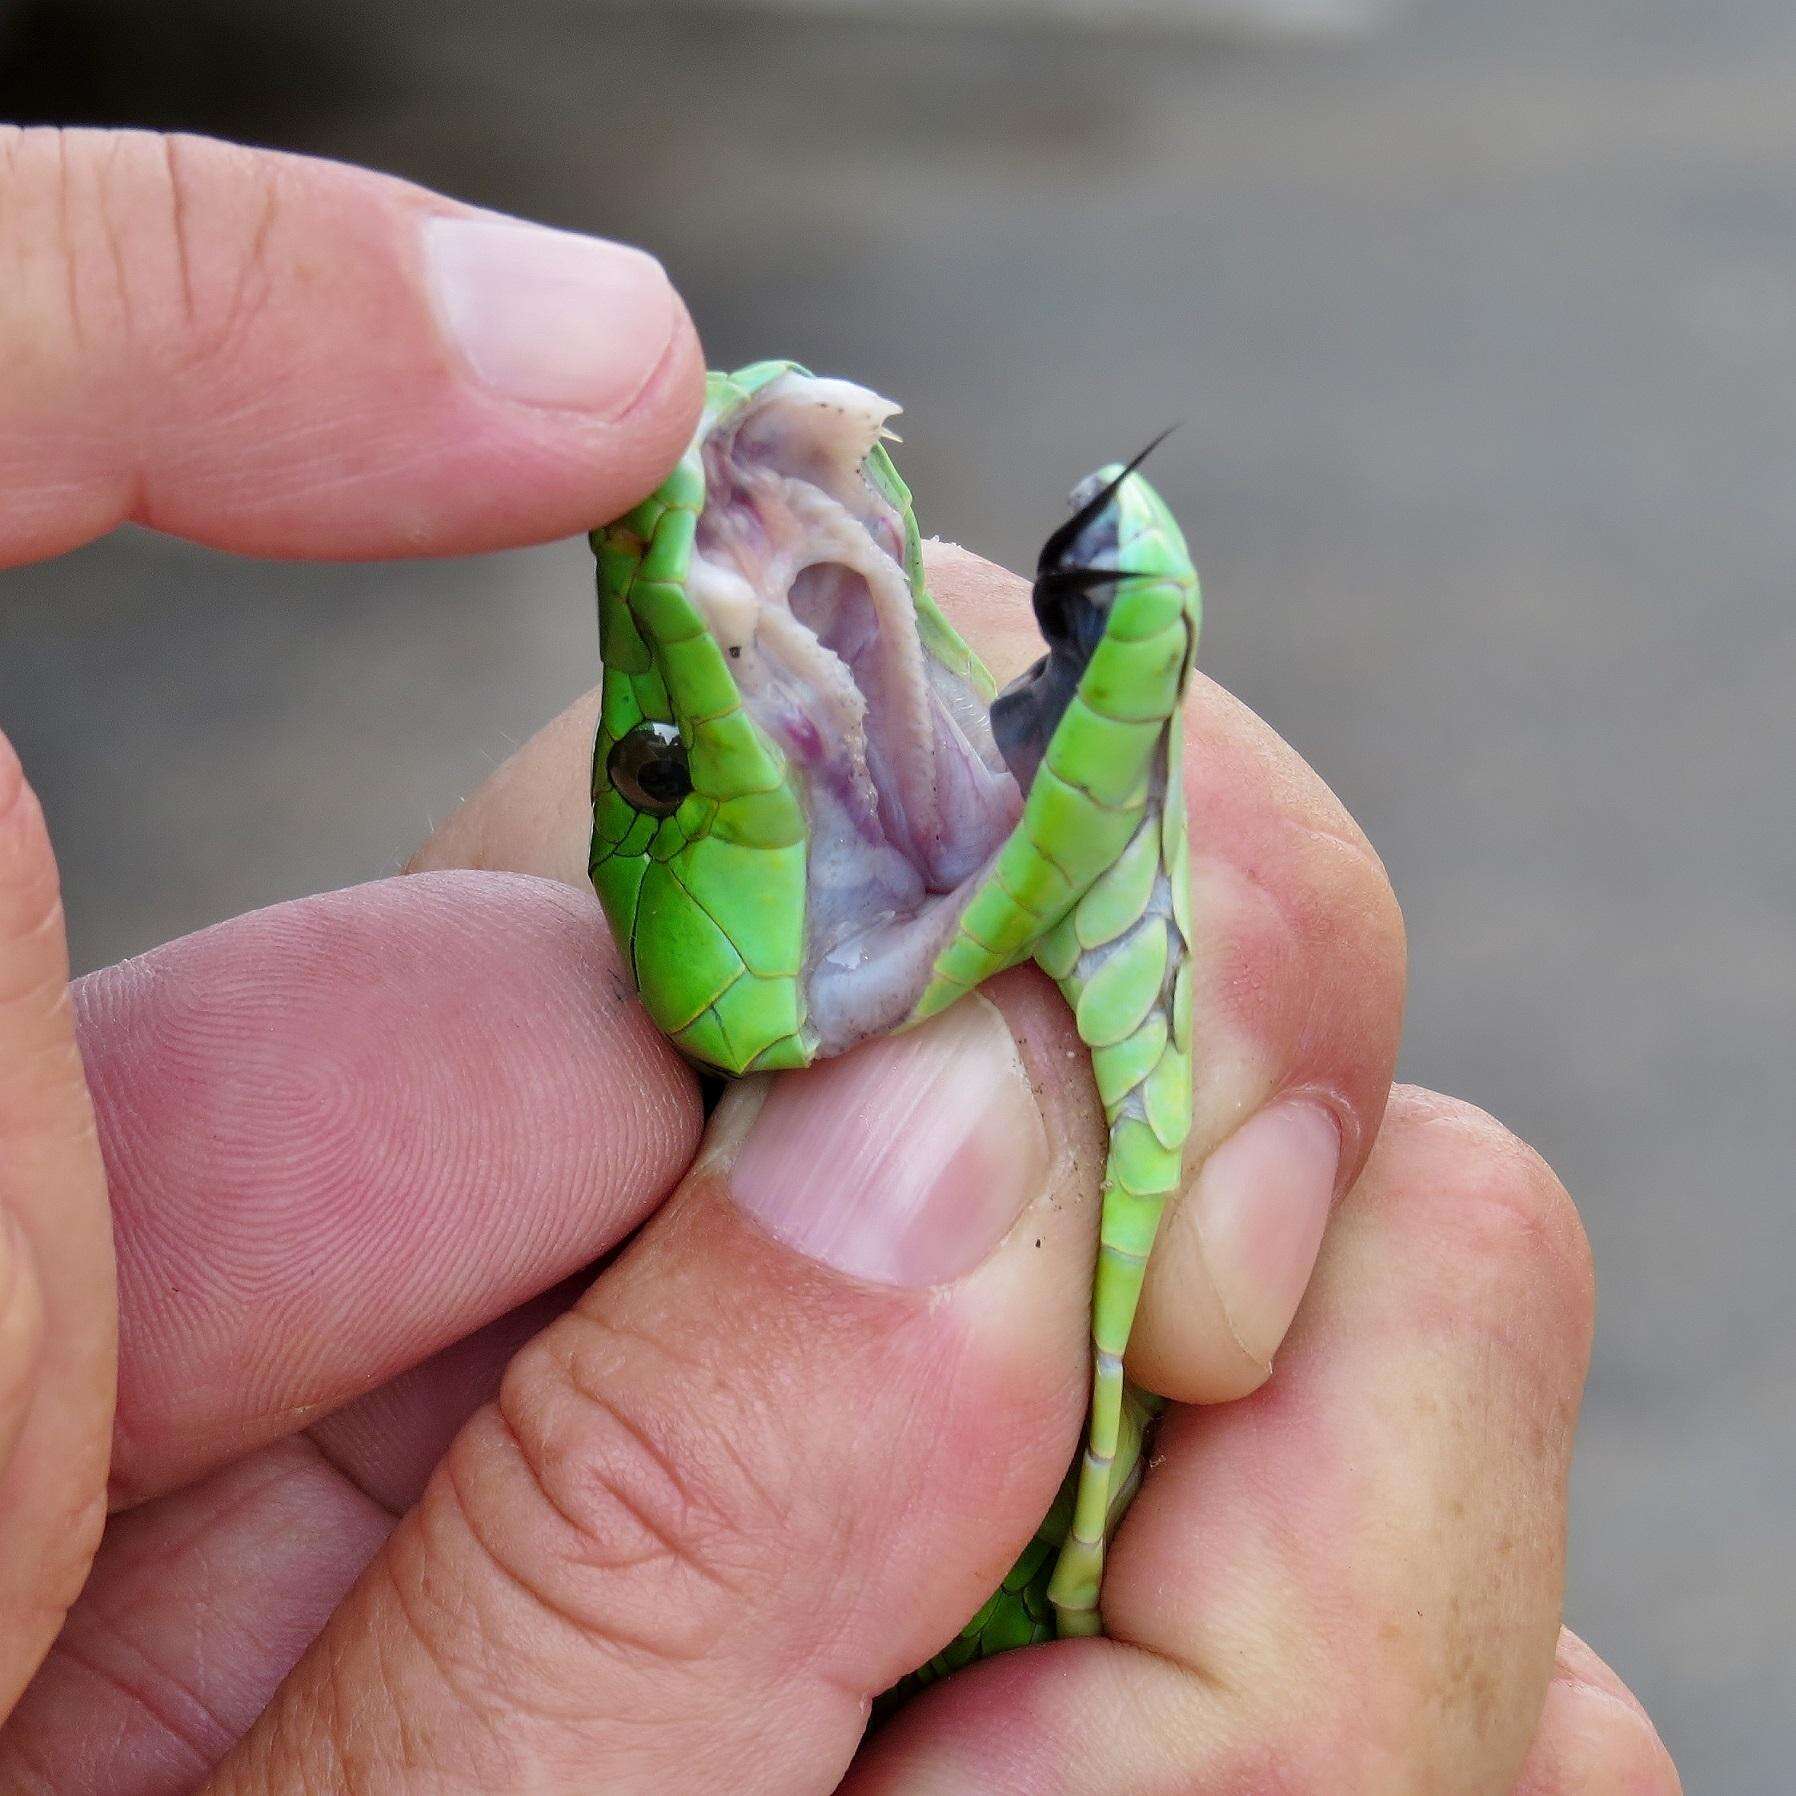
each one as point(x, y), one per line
point(1482, 327)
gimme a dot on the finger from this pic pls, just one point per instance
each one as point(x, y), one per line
point(133, 1699)
point(198, 1604)
point(347, 1130)
point(1349, 1581)
point(1298, 964)
point(1594, 1738)
point(284, 356)
point(58, 1320)
point(787, 1443)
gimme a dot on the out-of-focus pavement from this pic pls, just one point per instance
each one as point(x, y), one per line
point(1483, 333)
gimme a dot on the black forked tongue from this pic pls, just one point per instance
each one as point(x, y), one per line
point(1069, 579)
point(1053, 555)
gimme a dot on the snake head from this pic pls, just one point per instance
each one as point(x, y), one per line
point(799, 801)
point(1119, 530)
point(795, 774)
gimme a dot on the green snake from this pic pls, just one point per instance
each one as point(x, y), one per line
point(816, 821)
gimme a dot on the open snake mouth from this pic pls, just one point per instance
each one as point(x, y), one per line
point(798, 567)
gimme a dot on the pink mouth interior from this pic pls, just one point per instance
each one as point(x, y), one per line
point(798, 565)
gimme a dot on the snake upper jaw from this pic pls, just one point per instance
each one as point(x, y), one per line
point(798, 567)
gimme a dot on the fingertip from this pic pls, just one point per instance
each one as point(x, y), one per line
point(1594, 1738)
point(388, 1442)
point(346, 1130)
point(550, 318)
point(1484, 1224)
point(285, 356)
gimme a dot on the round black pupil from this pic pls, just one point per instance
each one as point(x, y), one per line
point(664, 779)
point(649, 767)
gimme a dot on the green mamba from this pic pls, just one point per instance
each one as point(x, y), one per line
point(814, 822)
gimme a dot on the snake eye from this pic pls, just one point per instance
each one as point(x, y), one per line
point(648, 769)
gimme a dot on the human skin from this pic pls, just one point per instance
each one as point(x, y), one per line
point(395, 1492)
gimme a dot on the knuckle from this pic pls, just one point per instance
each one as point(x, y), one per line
point(163, 1695)
point(129, 239)
point(659, 1522)
point(223, 213)
point(34, 973)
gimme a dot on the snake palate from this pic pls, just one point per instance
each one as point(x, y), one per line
point(798, 566)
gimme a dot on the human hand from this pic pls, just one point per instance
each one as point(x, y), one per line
point(737, 1486)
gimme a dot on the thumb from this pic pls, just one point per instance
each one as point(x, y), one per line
point(284, 356)
point(772, 1460)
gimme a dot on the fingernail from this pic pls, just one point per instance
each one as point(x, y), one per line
point(905, 1163)
point(1260, 1205)
point(550, 317)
